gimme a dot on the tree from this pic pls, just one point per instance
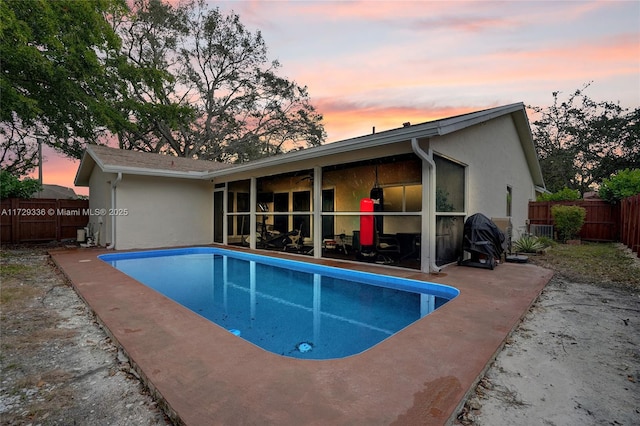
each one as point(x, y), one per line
point(12, 187)
point(54, 82)
point(565, 194)
point(179, 80)
point(580, 141)
point(206, 89)
point(622, 185)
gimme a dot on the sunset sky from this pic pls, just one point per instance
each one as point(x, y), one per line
point(379, 64)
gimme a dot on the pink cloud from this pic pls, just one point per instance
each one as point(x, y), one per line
point(385, 63)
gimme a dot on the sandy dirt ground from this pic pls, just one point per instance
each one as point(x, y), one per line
point(58, 365)
point(574, 360)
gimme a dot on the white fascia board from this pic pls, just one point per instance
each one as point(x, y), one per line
point(84, 163)
point(450, 125)
point(155, 172)
point(142, 171)
point(528, 146)
point(95, 157)
point(336, 148)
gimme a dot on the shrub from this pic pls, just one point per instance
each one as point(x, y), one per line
point(12, 187)
point(546, 241)
point(568, 220)
point(625, 184)
point(565, 194)
point(528, 244)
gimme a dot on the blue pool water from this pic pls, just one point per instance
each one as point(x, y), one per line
point(290, 308)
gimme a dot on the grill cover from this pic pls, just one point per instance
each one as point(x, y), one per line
point(481, 235)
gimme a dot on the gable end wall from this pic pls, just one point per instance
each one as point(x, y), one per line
point(163, 212)
point(494, 158)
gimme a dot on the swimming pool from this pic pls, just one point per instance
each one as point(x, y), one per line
point(287, 307)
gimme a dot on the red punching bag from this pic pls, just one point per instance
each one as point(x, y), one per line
point(366, 222)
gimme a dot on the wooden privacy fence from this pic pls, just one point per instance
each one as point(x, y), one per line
point(38, 219)
point(601, 222)
point(630, 223)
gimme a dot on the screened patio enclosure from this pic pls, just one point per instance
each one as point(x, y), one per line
point(291, 211)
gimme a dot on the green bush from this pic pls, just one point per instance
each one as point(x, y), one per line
point(568, 221)
point(546, 241)
point(565, 194)
point(625, 184)
point(12, 187)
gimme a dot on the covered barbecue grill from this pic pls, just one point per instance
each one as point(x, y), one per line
point(483, 241)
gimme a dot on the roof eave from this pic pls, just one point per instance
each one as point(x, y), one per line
point(155, 172)
point(90, 159)
point(361, 142)
point(450, 125)
point(528, 146)
point(87, 163)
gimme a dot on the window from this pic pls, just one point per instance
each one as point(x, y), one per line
point(403, 198)
point(238, 211)
point(450, 209)
point(218, 216)
point(302, 203)
point(449, 185)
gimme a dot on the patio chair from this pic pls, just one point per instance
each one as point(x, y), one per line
point(296, 240)
point(388, 248)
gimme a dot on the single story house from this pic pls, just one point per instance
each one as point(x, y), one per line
point(57, 192)
point(422, 181)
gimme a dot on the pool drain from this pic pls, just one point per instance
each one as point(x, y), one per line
point(304, 347)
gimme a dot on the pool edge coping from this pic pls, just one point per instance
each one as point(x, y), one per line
point(541, 282)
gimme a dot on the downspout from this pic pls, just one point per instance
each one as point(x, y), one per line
point(428, 251)
point(113, 206)
point(253, 201)
point(317, 212)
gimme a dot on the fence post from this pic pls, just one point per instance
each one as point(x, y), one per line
point(58, 221)
point(15, 222)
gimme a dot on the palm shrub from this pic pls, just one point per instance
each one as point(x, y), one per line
point(568, 220)
point(528, 244)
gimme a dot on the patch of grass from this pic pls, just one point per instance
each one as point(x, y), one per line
point(598, 263)
point(9, 270)
point(21, 294)
point(16, 287)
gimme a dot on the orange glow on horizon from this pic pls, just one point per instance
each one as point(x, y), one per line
point(58, 170)
point(343, 124)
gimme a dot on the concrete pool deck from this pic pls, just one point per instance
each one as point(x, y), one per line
point(205, 375)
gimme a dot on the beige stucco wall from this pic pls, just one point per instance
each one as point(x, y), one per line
point(494, 159)
point(163, 212)
point(99, 201)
